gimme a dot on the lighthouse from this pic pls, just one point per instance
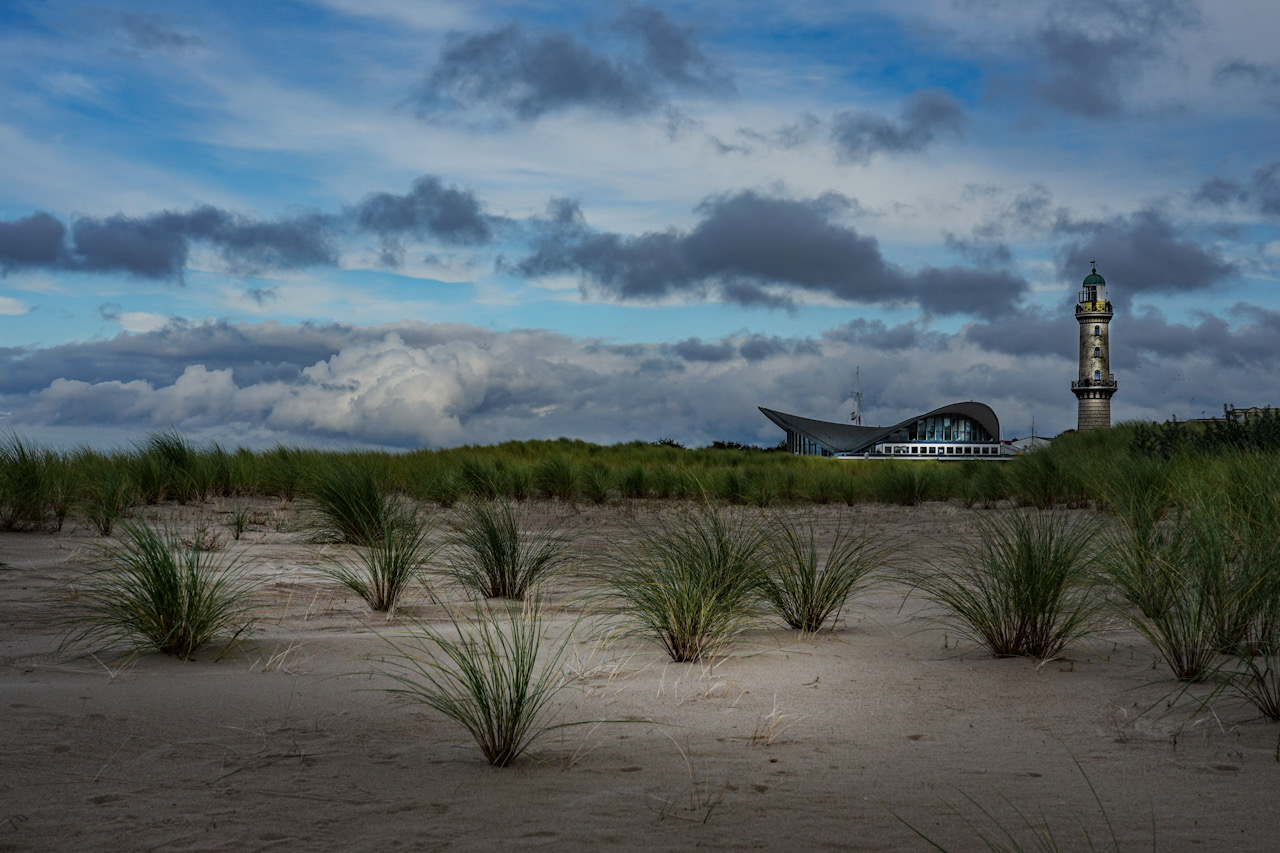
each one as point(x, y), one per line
point(1096, 383)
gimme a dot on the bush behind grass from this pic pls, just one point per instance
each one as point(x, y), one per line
point(1024, 586)
point(155, 594)
point(496, 678)
point(108, 495)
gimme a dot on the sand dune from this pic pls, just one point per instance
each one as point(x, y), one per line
point(787, 742)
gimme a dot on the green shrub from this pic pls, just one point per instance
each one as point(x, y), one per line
point(25, 487)
point(284, 471)
point(597, 484)
point(558, 477)
point(634, 482)
point(109, 495)
point(903, 483)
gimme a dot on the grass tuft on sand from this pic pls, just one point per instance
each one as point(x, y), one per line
point(156, 594)
point(494, 675)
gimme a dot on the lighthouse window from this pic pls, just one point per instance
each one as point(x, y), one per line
point(1097, 374)
point(1097, 352)
point(1097, 330)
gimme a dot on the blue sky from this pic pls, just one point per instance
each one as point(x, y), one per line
point(417, 223)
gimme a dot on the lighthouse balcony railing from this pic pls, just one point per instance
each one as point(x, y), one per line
point(1109, 381)
point(1086, 305)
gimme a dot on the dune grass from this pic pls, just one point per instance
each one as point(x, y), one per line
point(1023, 586)
point(807, 586)
point(1196, 570)
point(351, 501)
point(493, 674)
point(690, 581)
point(382, 570)
point(24, 484)
point(155, 594)
point(108, 495)
point(497, 552)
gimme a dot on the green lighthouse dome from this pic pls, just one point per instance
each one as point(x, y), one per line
point(1094, 278)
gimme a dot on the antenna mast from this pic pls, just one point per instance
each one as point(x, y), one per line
point(856, 414)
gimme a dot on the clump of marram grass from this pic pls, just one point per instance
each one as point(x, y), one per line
point(155, 594)
point(1201, 582)
point(497, 552)
point(692, 584)
point(1164, 578)
point(351, 502)
point(108, 495)
point(809, 588)
point(903, 483)
point(1024, 586)
point(24, 484)
point(496, 678)
point(382, 570)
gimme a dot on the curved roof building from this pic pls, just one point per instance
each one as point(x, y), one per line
point(960, 429)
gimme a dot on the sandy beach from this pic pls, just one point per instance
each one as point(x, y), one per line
point(786, 742)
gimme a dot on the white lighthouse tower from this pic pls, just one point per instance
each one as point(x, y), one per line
point(1096, 384)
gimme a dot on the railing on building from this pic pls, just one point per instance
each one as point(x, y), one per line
point(1108, 382)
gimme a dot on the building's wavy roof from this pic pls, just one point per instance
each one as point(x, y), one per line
point(851, 438)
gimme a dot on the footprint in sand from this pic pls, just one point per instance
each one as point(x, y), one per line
point(104, 799)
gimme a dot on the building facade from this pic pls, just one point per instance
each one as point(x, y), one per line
point(1096, 384)
point(960, 430)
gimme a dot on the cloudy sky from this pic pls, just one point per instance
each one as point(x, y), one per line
point(403, 223)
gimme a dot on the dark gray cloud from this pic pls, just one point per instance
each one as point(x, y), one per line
point(984, 248)
point(429, 209)
point(1265, 77)
point(1027, 332)
point(37, 240)
point(757, 249)
point(1086, 54)
point(1247, 344)
point(157, 245)
point(1261, 193)
point(1243, 340)
point(693, 349)
point(1142, 252)
point(878, 335)
point(926, 115)
point(530, 74)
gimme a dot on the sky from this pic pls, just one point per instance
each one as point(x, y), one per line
point(388, 223)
